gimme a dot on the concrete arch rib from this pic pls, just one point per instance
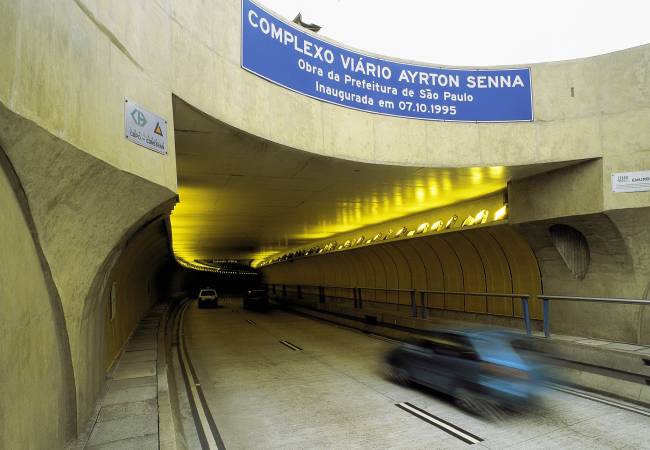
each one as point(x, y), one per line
point(497, 271)
point(379, 269)
point(415, 262)
point(526, 278)
point(433, 272)
point(304, 277)
point(329, 268)
point(403, 272)
point(473, 271)
point(391, 274)
point(366, 276)
point(344, 277)
point(452, 272)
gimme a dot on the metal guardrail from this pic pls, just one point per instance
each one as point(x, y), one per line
point(546, 299)
point(525, 298)
point(358, 298)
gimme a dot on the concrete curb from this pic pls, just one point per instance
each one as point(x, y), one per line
point(173, 437)
point(166, 429)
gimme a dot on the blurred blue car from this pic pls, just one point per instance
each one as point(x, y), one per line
point(478, 367)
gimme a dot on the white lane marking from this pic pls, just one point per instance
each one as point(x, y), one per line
point(291, 346)
point(207, 432)
point(452, 429)
point(599, 399)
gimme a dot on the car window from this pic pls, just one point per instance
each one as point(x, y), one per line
point(496, 349)
point(208, 292)
point(455, 346)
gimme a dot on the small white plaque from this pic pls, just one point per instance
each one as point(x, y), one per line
point(145, 128)
point(631, 181)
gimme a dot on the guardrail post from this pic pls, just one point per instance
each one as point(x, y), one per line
point(524, 306)
point(273, 286)
point(423, 302)
point(547, 325)
point(414, 306)
point(299, 291)
point(354, 295)
point(321, 294)
point(359, 297)
point(284, 291)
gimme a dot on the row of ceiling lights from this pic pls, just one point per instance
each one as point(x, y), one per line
point(219, 270)
point(477, 219)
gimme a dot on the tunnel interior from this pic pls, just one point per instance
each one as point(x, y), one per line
point(365, 218)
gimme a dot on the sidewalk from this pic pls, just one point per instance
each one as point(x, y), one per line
point(127, 414)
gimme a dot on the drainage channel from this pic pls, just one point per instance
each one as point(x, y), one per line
point(204, 422)
point(445, 426)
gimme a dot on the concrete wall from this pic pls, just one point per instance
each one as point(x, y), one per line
point(493, 259)
point(619, 267)
point(37, 387)
point(63, 79)
point(518, 258)
point(136, 281)
point(78, 207)
point(610, 104)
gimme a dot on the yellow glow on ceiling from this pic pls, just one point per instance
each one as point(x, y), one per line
point(242, 197)
point(196, 219)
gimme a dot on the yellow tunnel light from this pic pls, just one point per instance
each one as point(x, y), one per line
point(450, 223)
point(389, 234)
point(410, 233)
point(377, 237)
point(368, 241)
point(401, 232)
point(438, 225)
point(468, 222)
point(340, 247)
point(347, 243)
point(482, 216)
point(359, 240)
point(423, 228)
point(501, 213)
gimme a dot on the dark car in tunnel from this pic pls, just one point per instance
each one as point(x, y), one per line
point(208, 298)
point(256, 299)
point(479, 368)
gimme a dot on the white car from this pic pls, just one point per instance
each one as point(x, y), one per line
point(208, 298)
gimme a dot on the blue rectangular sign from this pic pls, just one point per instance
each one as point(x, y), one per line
point(284, 54)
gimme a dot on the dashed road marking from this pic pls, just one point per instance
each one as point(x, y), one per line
point(290, 345)
point(445, 426)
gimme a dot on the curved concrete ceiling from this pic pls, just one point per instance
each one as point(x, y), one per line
point(245, 198)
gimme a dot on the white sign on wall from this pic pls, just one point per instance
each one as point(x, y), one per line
point(145, 128)
point(631, 181)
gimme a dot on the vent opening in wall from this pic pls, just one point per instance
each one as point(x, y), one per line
point(572, 247)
